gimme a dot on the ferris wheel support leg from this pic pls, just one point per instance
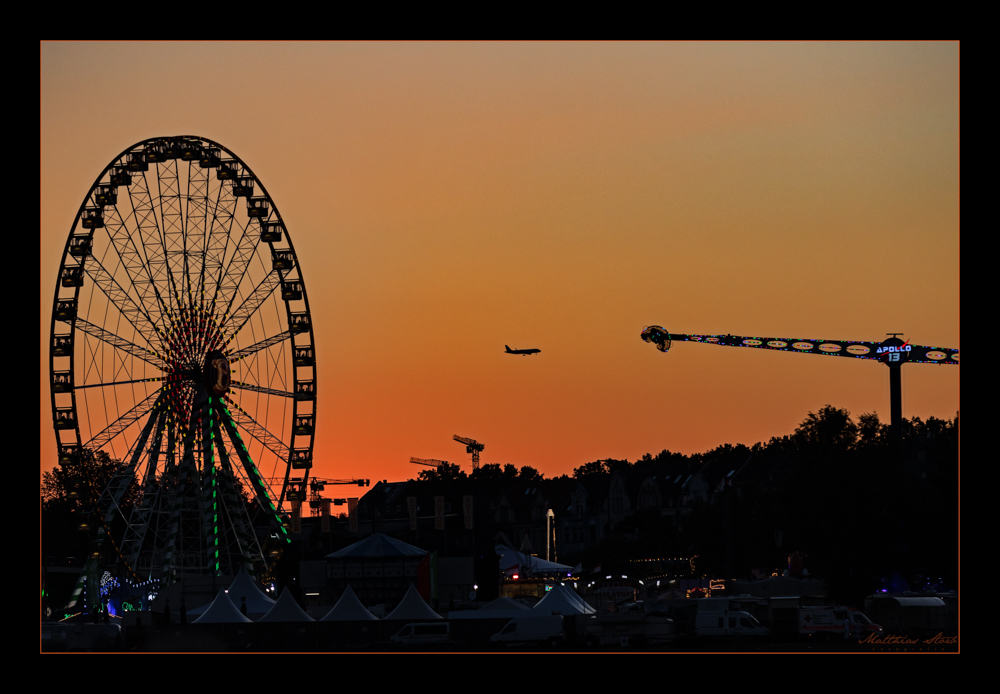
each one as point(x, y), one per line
point(222, 499)
point(257, 480)
point(189, 476)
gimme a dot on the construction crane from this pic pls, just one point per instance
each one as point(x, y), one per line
point(316, 485)
point(297, 492)
point(429, 462)
point(473, 447)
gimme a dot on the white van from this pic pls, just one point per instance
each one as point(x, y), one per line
point(730, 624)
point(625, 629)
point(522, 631)
point(828, 622)
point(429, 634)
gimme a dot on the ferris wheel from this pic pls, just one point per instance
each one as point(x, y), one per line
point(182, 348)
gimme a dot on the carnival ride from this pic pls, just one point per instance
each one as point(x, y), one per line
point(182, 348)
point(892, 352)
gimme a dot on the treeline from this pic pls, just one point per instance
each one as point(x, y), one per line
point(858, 506)
point(830, 432)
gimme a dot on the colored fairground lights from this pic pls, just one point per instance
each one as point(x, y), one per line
point(857, 349)
point(893, 352)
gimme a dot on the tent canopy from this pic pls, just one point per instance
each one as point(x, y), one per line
point(528, 565)
point(222, 611)
point(348, 609)
point(286, 610)
point(378, 546)
point(413, 608)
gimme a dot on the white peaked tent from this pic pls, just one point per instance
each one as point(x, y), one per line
point(349, 609)
point(564, 601)
point(222, 611)
point(258, 604)
point(413, 608)
point(286, 610)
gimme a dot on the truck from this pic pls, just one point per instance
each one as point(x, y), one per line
point(531, 630)
point(829, 623)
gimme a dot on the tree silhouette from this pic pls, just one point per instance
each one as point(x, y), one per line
point(445, 472)
point(830, 428)
point(69, 497)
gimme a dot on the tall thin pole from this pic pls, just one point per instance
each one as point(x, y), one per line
point(896, 401)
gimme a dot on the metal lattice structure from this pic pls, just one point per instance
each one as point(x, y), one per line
point(857, 349)
point(182, 346)
point(893, 352)
point(471, 446)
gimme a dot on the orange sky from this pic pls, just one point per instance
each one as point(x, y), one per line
point(446, 199)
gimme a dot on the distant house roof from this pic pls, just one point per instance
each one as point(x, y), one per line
point(378, 546)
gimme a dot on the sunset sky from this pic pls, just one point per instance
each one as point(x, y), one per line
point(446, 199)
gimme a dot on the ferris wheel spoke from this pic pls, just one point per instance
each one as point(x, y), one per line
point(263, 344)
point(169, 216)
point(120, 482)
point(133, 261)
point(232, 274)
point(245, 311)
point(126, 420)
point(196, 230)
point(147, 244)
point(134, 313)
point(219, 238)
point(266, 391)
point(130, 348)
point(118, 383)
point(246, 422)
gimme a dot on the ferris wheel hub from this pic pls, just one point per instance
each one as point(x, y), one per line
point(217, 373)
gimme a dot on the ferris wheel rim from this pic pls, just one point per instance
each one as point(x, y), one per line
point(65, 382)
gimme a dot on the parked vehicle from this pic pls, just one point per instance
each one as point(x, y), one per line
point(829, 622)
point(724, 617)
point(531, 630)
point(627, 630)
point(919, 616)
point(81, 636)
point(429, 635)
point(729, 624)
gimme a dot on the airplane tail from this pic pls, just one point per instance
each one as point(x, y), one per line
point(507, 348)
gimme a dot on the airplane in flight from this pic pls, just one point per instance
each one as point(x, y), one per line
point(525, 352)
